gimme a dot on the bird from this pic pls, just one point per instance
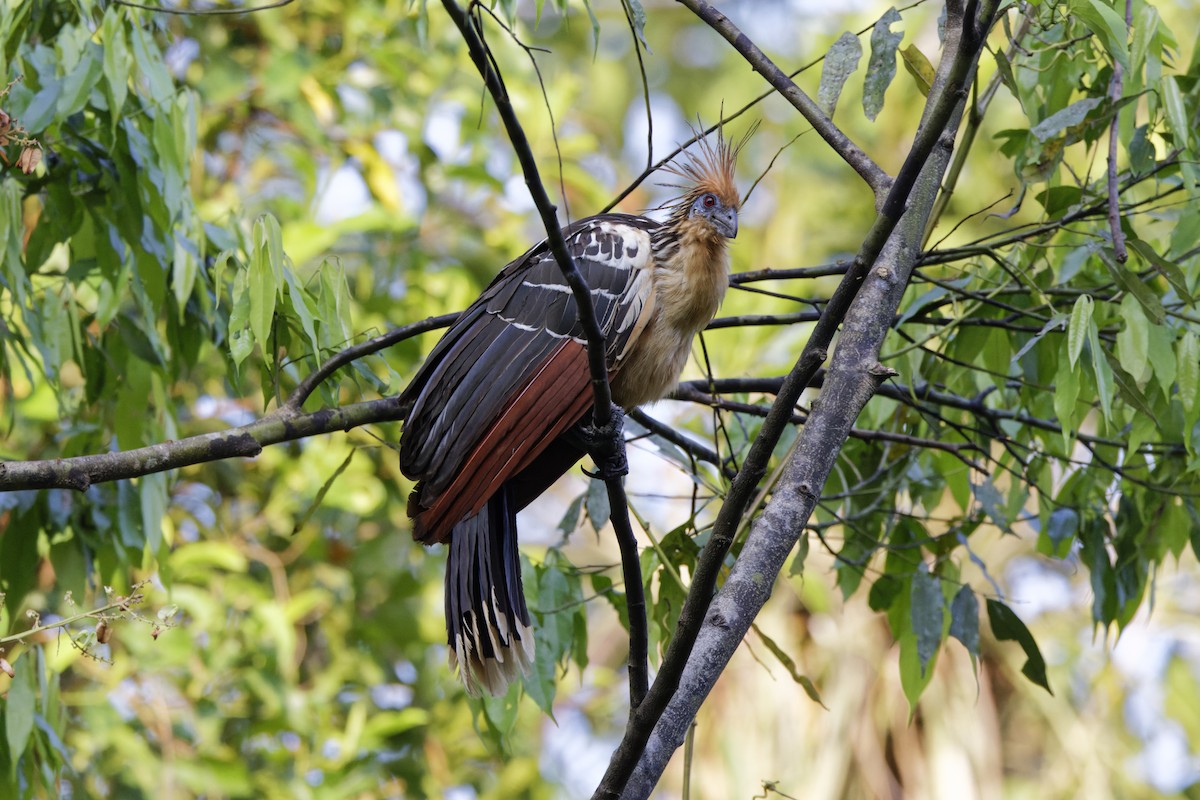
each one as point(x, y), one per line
point(495, 413)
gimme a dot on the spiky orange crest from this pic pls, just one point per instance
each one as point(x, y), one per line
point(709, 167)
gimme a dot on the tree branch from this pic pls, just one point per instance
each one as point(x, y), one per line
point(927, 160)
point(612, 452)
point(282, 425)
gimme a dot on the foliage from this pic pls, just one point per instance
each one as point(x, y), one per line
point(225, 202)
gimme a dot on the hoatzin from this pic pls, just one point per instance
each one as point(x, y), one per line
point(494, 412)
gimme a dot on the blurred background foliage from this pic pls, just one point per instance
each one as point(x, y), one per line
point(287, 641)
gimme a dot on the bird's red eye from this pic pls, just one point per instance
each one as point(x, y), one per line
point(709, 201)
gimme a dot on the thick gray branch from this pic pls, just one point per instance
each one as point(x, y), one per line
point(853, 377)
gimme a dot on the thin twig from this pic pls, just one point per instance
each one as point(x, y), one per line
point(212, 12)
point(614, 446)
point(1115, 90)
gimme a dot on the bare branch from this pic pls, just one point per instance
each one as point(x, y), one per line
point(212, 12)
point(1115, 90)
point(614, 448)
point(246, 441)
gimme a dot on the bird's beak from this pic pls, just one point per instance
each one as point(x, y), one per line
point(725, 220)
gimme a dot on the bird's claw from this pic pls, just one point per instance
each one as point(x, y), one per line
point(605, 444)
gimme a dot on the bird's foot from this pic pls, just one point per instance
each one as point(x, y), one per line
point(605, 444)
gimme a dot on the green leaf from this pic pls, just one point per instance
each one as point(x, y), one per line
point(1068, 117)
point(570, 520)
point(964, 620)
point(797, 567)
point(1133, 284)
point(116, 61)
point(304, 306)
point(1101, 371)
point(1007, 626)
point(1058, 200)
point(637, 14)
point(241, 340)
point(1081, 317)
point(598, 509)
point(928, 610)
point(19, 709)
point(1177, 116)
point(781, 655)
point(919, 67)
point(78, 83)
point(1128, 388)
point(992, 502)
point(1187, 354)
point(1133, 340)
point(881, 68)
point(840, 62)
point(153, 491)
point(184, 268)
point(1168, 269)
point(1061, 529)
point(1109, 26)
point(266, 268)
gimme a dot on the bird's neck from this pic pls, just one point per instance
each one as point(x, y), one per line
point(691, 272)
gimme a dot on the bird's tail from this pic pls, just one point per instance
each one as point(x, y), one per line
point(487, 623)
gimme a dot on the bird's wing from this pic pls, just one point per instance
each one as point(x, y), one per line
point(511, 375)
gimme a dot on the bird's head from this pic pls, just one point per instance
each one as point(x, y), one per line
point(710, 195)
point(721, 214)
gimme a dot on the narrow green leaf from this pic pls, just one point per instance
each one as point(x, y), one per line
point(1066, 118)
point(1109, 26)
point(1004, 69)
point(790, 665)
point(919, 67)
point(78, 84)
point(1101, 371)
point(1133, 340)
point(638, 14)
point(1168, 269)
point(1081, 317)
point(1135, 286)
point(1145, 28)
point(184, 268)
point(1129, 388)
point(151, 68)
point(928, 610)
point(797, 567)
point(1177, 115)
point(1187, 354)
point(881, 68)
point(1066, 392)
point(241, 341)
point(598, 509)
point(19, 708)
point(1007, 626)
point(840, 62)
point(153, 493)
point(992, 502)
point(263, 285)
point(964, 620)
point(1062, 527)
point(116, 61)
point(304, 306)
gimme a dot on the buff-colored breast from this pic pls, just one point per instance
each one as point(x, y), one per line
point(686, 292)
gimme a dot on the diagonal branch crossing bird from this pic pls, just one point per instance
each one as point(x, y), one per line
point(496, 408)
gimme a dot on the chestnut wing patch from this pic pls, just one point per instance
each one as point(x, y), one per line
point(511, 374)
